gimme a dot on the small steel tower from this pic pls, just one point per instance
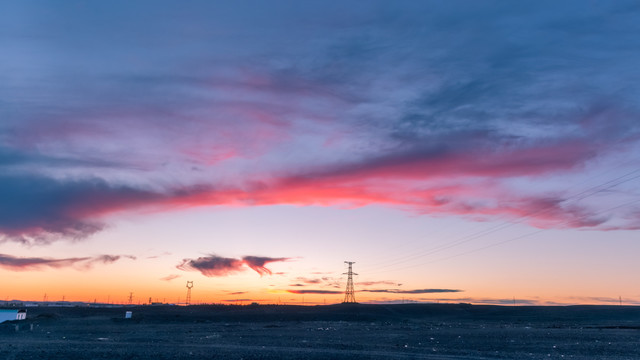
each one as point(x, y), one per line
point(349, 294)
point(189, 286)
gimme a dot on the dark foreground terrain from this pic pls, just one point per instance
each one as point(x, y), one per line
point(411, 331)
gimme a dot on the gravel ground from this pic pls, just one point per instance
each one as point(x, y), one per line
point(331, 332)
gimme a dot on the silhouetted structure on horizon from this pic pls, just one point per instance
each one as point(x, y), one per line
point(189, 286)
point(349, 294)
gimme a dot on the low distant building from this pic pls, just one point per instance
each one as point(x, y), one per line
point(12, 314)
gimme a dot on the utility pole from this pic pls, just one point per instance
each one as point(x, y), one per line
point(349, 294)
point(130, 298)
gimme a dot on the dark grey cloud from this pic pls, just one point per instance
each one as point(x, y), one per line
point(257, 263)
point(214, 265)
point(39, 210)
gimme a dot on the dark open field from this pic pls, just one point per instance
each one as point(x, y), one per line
point(410, 331)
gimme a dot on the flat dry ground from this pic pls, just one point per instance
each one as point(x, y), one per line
point(411, 331)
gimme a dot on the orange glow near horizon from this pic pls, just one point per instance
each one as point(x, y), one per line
point(496, 277)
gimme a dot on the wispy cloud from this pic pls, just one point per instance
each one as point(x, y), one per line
point(414, 291)
point(599, 300)
point(214, 265)
point(310, 291)
point(241, 300)
point(371, 283)
point(107, 259)
point(489, 301)
point(166, 253)
point(257, 263)
point(311, 281)
point(170, 277)
point(324, 281)
point(564, 301)
point(15, 263)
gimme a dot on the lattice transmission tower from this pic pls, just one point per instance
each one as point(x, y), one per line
point(189, 286)
point(350, 293)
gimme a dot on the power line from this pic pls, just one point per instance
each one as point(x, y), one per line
point(412, 253)
point(465, 239)
point(505, 241)
point(526, 217)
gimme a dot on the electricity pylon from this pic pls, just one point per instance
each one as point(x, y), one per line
point(189, 286)
point(349, 294)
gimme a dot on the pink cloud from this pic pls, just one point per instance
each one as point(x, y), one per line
point(466, 181)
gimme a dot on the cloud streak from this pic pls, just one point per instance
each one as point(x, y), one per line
point(14, 263)
point(213, 265)
point(257, 263)
point(311, 291)
point(170, 277)
point(371, 283)
point(414, 291)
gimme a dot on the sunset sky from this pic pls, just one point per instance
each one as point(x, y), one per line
point(456, 151)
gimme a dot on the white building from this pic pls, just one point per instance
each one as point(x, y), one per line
point(12, 314)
